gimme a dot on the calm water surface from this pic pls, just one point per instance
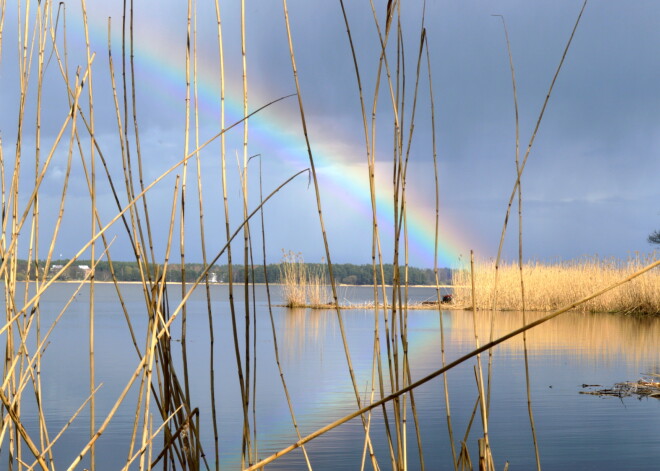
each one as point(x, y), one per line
point(574, 431)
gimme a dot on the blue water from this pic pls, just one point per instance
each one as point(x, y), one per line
point(574, 431)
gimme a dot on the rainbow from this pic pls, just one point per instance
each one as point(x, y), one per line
point(159, 58)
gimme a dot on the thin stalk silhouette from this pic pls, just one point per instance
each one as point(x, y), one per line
point(321, 221)
point(520, 245)
point(517, 182)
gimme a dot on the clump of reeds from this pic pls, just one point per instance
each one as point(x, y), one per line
point(302, 285)
point(549, 286)
point(293, 279)
point(317, 285)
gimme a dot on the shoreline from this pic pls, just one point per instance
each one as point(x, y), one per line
point(339, 285)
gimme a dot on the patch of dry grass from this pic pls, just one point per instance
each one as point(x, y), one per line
point(302, 285)
point(550, 286)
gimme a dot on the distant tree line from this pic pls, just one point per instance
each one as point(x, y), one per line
point(345, 273)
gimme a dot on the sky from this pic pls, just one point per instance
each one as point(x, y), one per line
point(589, 187)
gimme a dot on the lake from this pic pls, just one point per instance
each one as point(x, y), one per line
point(574, 431)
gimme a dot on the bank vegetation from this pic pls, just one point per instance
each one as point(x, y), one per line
point(550, 286)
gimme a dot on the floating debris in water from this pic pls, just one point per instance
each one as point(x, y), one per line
point(648, 386)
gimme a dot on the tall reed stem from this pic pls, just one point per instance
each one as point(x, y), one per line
point(321, 221)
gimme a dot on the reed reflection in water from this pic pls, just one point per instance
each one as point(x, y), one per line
point(602, 337)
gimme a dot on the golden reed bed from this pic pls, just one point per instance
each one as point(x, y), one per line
point(549, 286)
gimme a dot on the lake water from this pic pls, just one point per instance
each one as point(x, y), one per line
point(574, 431)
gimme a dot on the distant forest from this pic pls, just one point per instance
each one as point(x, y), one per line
point(345, 273)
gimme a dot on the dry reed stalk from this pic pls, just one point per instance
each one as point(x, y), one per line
point(376, 246)
point(400, 164)
point(516, 185)
point(214, 419)
point(435, 253)
point(182, 218)
point(453, 364)
point(122, 143)
point(272, 325)
point(533, 137)
point(122, 134)
point(485, 454)
point(246, 235)
point(371, 399)
point(140, 249)
point(407, 375)
point(321, 220)
point(138, 151)
point(464, 462)
point(226, 202)
point(41, 26)
point(520, 246)
point(251, 267)
point(383, 63)
point(317, 285)
point(3, 246)
point(399, 209)
point(293, 279)
point(151, 348)
point(478, 371)
point(232, 307)
point(254, 350)
point(92, 361)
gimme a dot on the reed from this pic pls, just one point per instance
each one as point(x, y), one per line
point(548, 286)
point(293, 277)
point(303, 285)
point(317, 285)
